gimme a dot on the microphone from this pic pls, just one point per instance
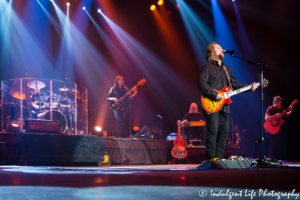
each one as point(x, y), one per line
point(230, 51)
point(159, 116)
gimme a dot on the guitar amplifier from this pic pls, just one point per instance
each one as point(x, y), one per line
point(38, 125)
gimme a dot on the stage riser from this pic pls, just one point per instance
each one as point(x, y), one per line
point(42, 148)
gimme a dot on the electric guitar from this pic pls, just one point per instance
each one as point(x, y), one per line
point(117, 105)
point(179, 150)
point(213, 106)
point(273, 126)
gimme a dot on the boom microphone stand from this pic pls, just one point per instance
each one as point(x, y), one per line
point(261, 67)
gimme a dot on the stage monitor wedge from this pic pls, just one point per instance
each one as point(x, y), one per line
point(148, 132)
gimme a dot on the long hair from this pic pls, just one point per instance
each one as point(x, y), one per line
point(192, 106)
point(210, 53)
point(116, 84)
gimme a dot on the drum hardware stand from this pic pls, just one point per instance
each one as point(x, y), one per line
point(90, 116)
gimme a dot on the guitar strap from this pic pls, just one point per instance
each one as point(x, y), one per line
point(227, 76)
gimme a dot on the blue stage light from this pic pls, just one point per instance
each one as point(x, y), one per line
point(99, 10)
point(83, 8)
point(68, 4)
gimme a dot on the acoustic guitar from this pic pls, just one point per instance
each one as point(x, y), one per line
point(179, 150)
point(213, 106)
point(117, 105)
point(273, 126)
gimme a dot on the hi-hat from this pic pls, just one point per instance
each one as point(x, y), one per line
point(64, 89)
point(35, 84)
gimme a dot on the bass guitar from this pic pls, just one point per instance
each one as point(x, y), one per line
point(213, 106)
point(117, 105)
point(179, 150)
point(273, 126)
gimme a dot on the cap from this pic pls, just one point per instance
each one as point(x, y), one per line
point(277, 98)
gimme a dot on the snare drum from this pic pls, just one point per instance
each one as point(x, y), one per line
point(57, 116)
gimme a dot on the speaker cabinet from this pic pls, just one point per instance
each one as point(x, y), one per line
point(149, 132)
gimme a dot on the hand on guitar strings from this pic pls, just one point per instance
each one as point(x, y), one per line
point(135, 92)
point(290, 109)
point(219, 97)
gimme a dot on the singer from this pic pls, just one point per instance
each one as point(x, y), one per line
point(118, 90)
point(215, 75)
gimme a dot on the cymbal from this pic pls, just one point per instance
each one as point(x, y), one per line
point(15, 92)
point(64, 89)
point(36, 84)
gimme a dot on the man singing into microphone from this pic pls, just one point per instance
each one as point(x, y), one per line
point(116, 92)
point(213, 76)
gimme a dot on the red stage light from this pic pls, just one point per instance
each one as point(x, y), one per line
point(168, 12)
point(177, 6)
point(136, 128)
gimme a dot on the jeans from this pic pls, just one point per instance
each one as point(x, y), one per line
point(217, 132)
point(119, 122)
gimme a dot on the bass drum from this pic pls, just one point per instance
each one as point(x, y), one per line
point(57, 116)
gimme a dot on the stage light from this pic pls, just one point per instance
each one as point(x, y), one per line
point(99, 10)
point(136, 128)
point(51, 0)
point(83, 8)
point(98, 128)
point(68, 4)
point(15, 125)
point(177, 6)
point(152, 7)
point(168, 12)
point(160, 2)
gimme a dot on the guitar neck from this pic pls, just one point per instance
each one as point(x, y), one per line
point(243, 89)
point(127, 93)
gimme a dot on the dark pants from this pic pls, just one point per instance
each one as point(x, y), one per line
point(119, 122)
point(274, 150)
point(217, 132)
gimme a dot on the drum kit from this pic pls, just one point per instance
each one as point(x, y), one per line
point(38, 104)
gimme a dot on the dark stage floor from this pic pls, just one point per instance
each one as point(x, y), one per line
point(147, 182)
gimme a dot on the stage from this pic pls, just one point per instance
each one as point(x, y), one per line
point(144, 182)
point(54, 149)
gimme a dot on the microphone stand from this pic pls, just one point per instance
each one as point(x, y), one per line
point(160, 121)
point(261, 67)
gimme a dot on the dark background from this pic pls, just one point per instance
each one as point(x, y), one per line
point(271, 25)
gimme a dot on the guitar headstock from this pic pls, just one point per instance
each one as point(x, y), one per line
point(294, 102)
point(265, 83)
point(178, 123)
point(141, 82)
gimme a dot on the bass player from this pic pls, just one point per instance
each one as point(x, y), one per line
point(118, 90)
point(213, 76)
